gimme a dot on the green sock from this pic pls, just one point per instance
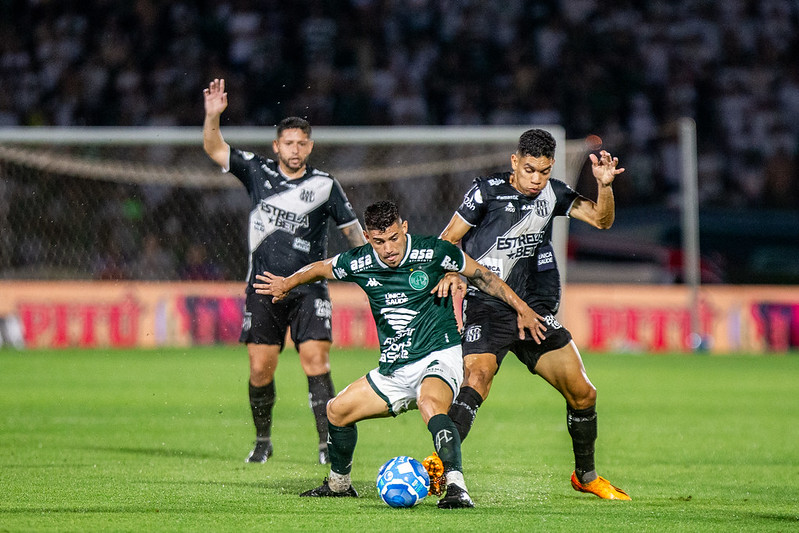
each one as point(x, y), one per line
point(341, 446)
point(446, 441)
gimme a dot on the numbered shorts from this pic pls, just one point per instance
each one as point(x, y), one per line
point(489, 329)
point(400, 389)
point(307, 311)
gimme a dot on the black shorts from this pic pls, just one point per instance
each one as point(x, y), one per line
point(493, 329)
point(307, 310)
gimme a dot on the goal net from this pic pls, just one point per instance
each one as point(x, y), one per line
point(147, 204)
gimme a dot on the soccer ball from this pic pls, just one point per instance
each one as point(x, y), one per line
point(402, 482)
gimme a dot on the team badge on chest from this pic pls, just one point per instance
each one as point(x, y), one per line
point(418, 280)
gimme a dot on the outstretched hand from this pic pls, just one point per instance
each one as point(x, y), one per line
point(271, 285)
point(604, 167)
point(452, 283)
point(531, 321)
point(215, 97)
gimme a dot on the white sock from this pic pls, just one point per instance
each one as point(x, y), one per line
point(454, 477)
point(338, 482)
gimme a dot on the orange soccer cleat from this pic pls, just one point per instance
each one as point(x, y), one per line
point(435, 470)
point(601, 487)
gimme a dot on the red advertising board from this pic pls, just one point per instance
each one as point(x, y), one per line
point(653, 318)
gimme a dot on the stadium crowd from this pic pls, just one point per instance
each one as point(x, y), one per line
point(625, 70)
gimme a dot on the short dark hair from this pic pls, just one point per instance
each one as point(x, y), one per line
point(536, 143)
point(290, 123)
point(380, 215)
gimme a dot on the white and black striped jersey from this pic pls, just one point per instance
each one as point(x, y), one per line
point(289, 217)
point(512, 235)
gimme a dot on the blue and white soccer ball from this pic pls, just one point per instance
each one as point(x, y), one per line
point(402, 482)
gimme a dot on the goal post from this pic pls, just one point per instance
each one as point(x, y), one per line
point(73, 196)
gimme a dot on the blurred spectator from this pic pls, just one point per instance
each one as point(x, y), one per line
point(154, 262)
point(197, 266)
point(624, 70)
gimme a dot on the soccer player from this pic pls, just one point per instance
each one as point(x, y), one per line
point(420, 350)
point(291, 205)
point(505, 222)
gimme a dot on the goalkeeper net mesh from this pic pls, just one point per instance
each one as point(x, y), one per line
point(148, 204)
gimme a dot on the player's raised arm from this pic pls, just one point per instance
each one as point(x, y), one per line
point(354, 234)
point(491, 284)
point(278, 286)
point(213, 143)
point(601, 213)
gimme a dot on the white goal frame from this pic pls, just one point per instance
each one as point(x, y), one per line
point(569, 155)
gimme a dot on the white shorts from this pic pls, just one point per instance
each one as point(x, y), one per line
point(401, 389)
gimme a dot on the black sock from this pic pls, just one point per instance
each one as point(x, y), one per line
point(261, 401)
point(583, 430)
point(320, 391)
point(446, 441)
point(464, 409)
point(341, 443)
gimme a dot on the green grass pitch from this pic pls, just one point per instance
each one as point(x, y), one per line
point(155, 441)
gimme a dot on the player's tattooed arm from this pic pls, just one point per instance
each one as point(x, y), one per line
point(491, 284)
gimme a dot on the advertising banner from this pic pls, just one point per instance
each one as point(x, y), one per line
point(602, 318)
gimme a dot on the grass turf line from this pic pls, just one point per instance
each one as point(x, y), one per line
point(155, 440)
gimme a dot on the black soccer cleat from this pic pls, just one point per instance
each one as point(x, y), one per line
point(261, 452)
point(324, 491)
point(324, 455)
point(456, 498)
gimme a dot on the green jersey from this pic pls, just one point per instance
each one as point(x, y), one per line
point(411, 322)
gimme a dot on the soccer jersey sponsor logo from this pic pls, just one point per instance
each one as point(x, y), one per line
point(510, 208)
point(362, 262)
point(449, 264)
point(495, 181)
point(424, 254)
point(373, 283)
point(301, 245)
point(520, 246)
point(395, 298)
point(340, 273)
point(287, 221)
point(323, 308)
point(397, 347)
point(546, 258)
point(508, 197)
point(525, 239)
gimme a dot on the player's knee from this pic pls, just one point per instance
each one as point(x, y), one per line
point(334, 413)
point(585, 397)
point(479, 377)
point(260, 375)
